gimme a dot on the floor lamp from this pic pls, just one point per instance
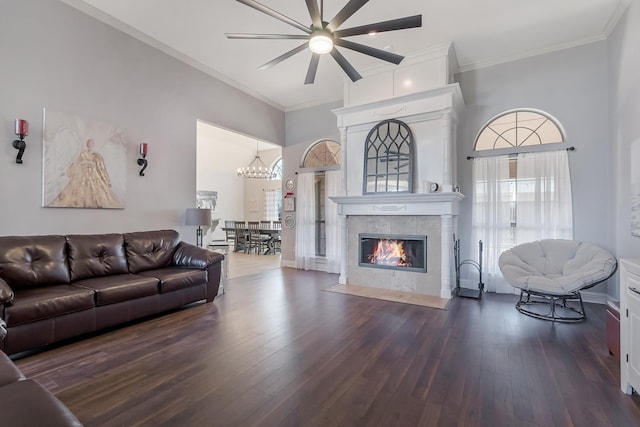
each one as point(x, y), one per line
point(199, 217)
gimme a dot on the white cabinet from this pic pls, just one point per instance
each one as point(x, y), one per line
point(630, 325)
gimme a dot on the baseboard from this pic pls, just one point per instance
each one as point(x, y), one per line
point(594, 297)
point(287, 263)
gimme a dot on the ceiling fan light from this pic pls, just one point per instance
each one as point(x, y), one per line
point(321, 43)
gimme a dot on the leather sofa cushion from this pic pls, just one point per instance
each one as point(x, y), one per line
point(176, 278)
point(148, 250)
point(96, 255)
point(35, 304)
point(123, 287)
point(27, 403)
point(33, 261)
point(9, 372)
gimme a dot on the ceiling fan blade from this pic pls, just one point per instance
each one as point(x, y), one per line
point(349, 9)
point(314, 12)
point(313, 67)
point(379, 27)
point(266, 36)
point(344, 64)
point(371, 51)
point(264, 9)
point(284, 56)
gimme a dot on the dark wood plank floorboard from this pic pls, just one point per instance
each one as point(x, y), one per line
point(276, 350)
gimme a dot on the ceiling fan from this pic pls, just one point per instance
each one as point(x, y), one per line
point(321, 37)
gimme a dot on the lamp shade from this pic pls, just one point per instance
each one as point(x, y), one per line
point(196, 216)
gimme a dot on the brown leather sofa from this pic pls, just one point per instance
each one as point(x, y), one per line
point(24, 402)
point(57, 287)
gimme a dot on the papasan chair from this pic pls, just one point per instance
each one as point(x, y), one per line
point(551, 273)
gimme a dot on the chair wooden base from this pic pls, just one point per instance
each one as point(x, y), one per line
point(559, 308)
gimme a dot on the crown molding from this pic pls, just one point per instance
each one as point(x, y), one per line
point(129, 30)
point(528, 54)
point(615, 18)
point(606, 32)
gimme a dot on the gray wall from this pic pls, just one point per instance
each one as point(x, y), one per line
point(624, 90)
point(304, 127)
point(56, 57)
point(571, 85)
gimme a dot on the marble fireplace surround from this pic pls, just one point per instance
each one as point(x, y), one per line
point(412, 214)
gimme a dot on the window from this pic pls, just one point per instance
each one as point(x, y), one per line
point(520, 196)
point(388, 159)
point(519, 128)
point(276, 169)
point(322, 154)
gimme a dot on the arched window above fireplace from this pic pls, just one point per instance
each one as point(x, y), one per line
point(388, 158)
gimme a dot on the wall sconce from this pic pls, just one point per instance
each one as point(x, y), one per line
point(22, 130)
point(143, 161)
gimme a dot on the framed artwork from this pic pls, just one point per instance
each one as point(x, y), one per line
point(207, 199)
point(289, 204)
point(83, 163)
point(635, 188)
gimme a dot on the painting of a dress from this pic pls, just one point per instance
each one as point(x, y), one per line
point(84, 163)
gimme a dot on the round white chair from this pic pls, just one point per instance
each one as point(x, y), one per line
point(551, 273)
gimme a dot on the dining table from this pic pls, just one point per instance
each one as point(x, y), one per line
point(273, 233)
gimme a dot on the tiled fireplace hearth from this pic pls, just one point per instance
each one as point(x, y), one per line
point(422, 96)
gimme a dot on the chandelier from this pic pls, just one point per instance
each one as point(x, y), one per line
point(256, 169)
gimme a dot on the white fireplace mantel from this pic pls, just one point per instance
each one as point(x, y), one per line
point(400, 204)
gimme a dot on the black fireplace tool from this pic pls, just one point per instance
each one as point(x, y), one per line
point(467, 292)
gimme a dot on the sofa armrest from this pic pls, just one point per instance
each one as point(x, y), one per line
point(6, 293)
point(188, 255)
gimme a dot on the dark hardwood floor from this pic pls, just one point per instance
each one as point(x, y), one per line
point(276, 350)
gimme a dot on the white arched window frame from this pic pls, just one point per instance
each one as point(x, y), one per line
point(322, 155)
point(519, 130)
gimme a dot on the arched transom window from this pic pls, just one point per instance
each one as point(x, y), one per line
point(519, 128)
point(276, 169)
point(322, 154)
point(388, 158)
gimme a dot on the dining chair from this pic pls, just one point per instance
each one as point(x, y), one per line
point(230, 232)
point(253, 240)
point(277, 243)
point(241, 236)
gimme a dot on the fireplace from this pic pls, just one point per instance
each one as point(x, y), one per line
point(430, 108)
point(394, 252)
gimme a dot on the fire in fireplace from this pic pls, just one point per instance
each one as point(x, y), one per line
point(396, 252)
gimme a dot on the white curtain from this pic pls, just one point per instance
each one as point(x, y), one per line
point(305, 222)
point(333, 187)
point(491, 217)
point(538, 202)
point(544, 197)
